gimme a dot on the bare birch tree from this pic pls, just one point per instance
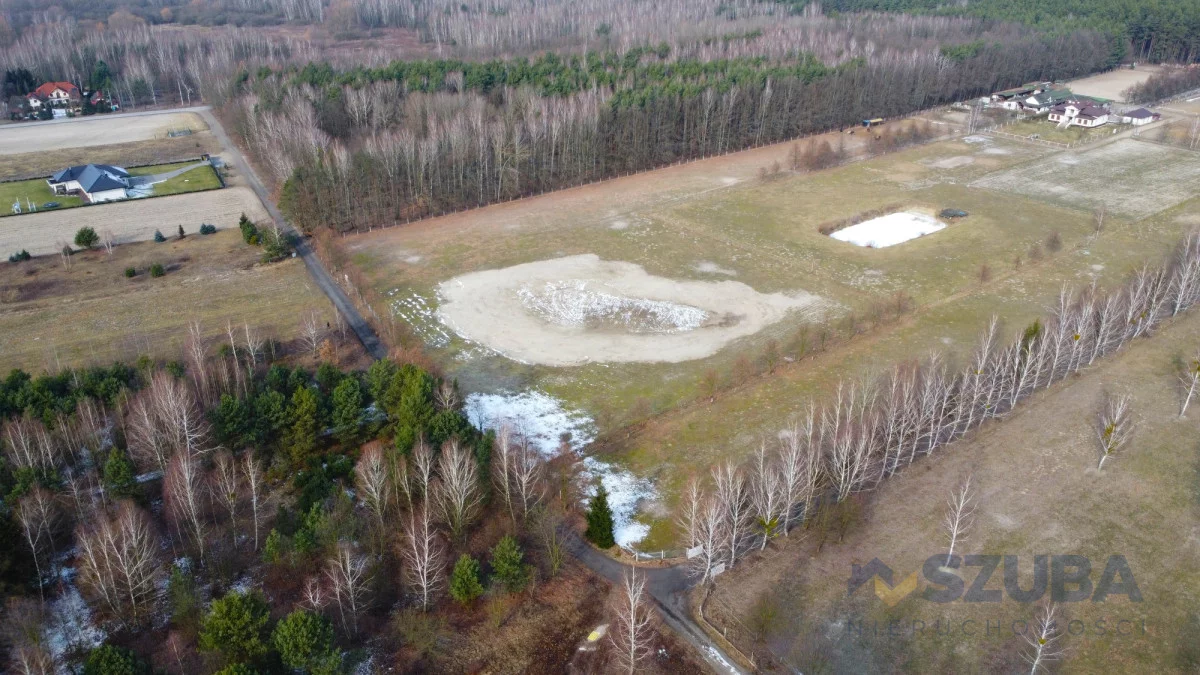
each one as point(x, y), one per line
point(183, 487)
point(119, 562)
point(1114, 426)
point(1190, 377)
point(960, 512)
point(252, 470)
point(374, 484)
point(710, 539)
point(632, 621)
point(349, 577)
point(456, 494)
point(766, 496)
point(423, 555)
point(227, 484)
point(1042, 638)
point(733, 496)
point(38, 515)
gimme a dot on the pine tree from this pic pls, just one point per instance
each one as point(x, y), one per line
point(120, 478)
point(508, 568)
point(600, 520)
point(305, 411)
point(464, 581)
point(347, 411)
point(181, 235)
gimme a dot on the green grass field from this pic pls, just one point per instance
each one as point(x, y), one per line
point(38, 191)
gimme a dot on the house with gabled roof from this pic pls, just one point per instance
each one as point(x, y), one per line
point(1139, 117)
point(55, 95)
point(94, 182)
point(1081, 113)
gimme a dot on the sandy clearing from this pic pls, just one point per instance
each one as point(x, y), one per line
point(135, 220)
point(92, 131)
point(1113, 83)
point(889, 230)
point(488, 307)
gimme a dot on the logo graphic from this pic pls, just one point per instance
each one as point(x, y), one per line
point(1068, 578)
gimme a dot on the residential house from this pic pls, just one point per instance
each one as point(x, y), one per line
point(1044, 101)
point(1139, 117)
point(56, 95)
point(94, 182)
point(1082, 113)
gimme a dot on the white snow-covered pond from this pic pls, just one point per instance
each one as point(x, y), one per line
point(889, 230)
point(544, 420)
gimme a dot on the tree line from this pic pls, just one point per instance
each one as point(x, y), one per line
point(873, 427)
point(371, 147)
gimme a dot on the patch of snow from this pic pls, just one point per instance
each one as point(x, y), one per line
point(420, 314)
point(572, 304)
point(1097, 268)
point(729, 180)
point(706, 267)
point(543, 420)
point(70, 627)
point(889, 230)
point(997, 151)
point(715, 658)
point(977, 139)
point(619, 225)
point(413, 259)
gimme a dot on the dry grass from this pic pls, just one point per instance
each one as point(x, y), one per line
point(1038, 493)
point(138, 153)
point(90, 313)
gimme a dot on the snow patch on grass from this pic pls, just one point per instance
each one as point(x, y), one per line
point(706, 267)
point(572, 304)
point(545, 422)
point(70, 628)
point(889, 230)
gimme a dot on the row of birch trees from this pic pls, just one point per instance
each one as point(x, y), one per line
point(871, 428)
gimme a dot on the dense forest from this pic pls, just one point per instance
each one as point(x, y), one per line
point(227, 512)
point(363, 147)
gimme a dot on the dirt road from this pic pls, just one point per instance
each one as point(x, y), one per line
point(668, 586)
point(366, 335)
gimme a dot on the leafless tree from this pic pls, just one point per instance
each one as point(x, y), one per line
point(799, 469)
point(503, 457)
point(38, 515)
point(374, 484)
point(183, 487)
point(165, 418)
point(526, 476)
point(689, 510)
point(119, 562)
point(30, 445)
point(456, 494)
point(422, 468)
point(1042, 637)
point(733, 496)
point(311, 331)
point(1114, 426)
point(766, 495)
point(254, 344)
point(632, 631)
point(423, 555)
point(960, 512)
point(349, 576)
point(1190, 377)
point(252, 469)
point(227, 483)
point(314, 595)
point(710, 539)
point(108, 239)
point(197, 358)
point(446, 396)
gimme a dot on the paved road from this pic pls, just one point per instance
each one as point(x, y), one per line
point(366, 335)
point(668, 586)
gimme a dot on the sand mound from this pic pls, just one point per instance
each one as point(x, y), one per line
point(581, 309)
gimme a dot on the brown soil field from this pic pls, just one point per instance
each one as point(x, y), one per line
point(1038, 493)
point(1112, 85)
point(45, 232)
point(51, 316)
point(137, 153)
point(82, 132)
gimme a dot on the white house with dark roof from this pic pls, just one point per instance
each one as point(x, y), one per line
point(94, 182)
point(1078, 113)
point(1139, 117)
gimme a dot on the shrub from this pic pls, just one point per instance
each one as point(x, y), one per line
point(158, 236)
point(110, 660)
point(464, 581)
point(19, 256)
point(303, 640)
point(157, 270)
point(86, 237)
point(120, 477)
point(130, 273)
point(508, 567)
point(1054, 242)
point(236, 626)
point(208, 229)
